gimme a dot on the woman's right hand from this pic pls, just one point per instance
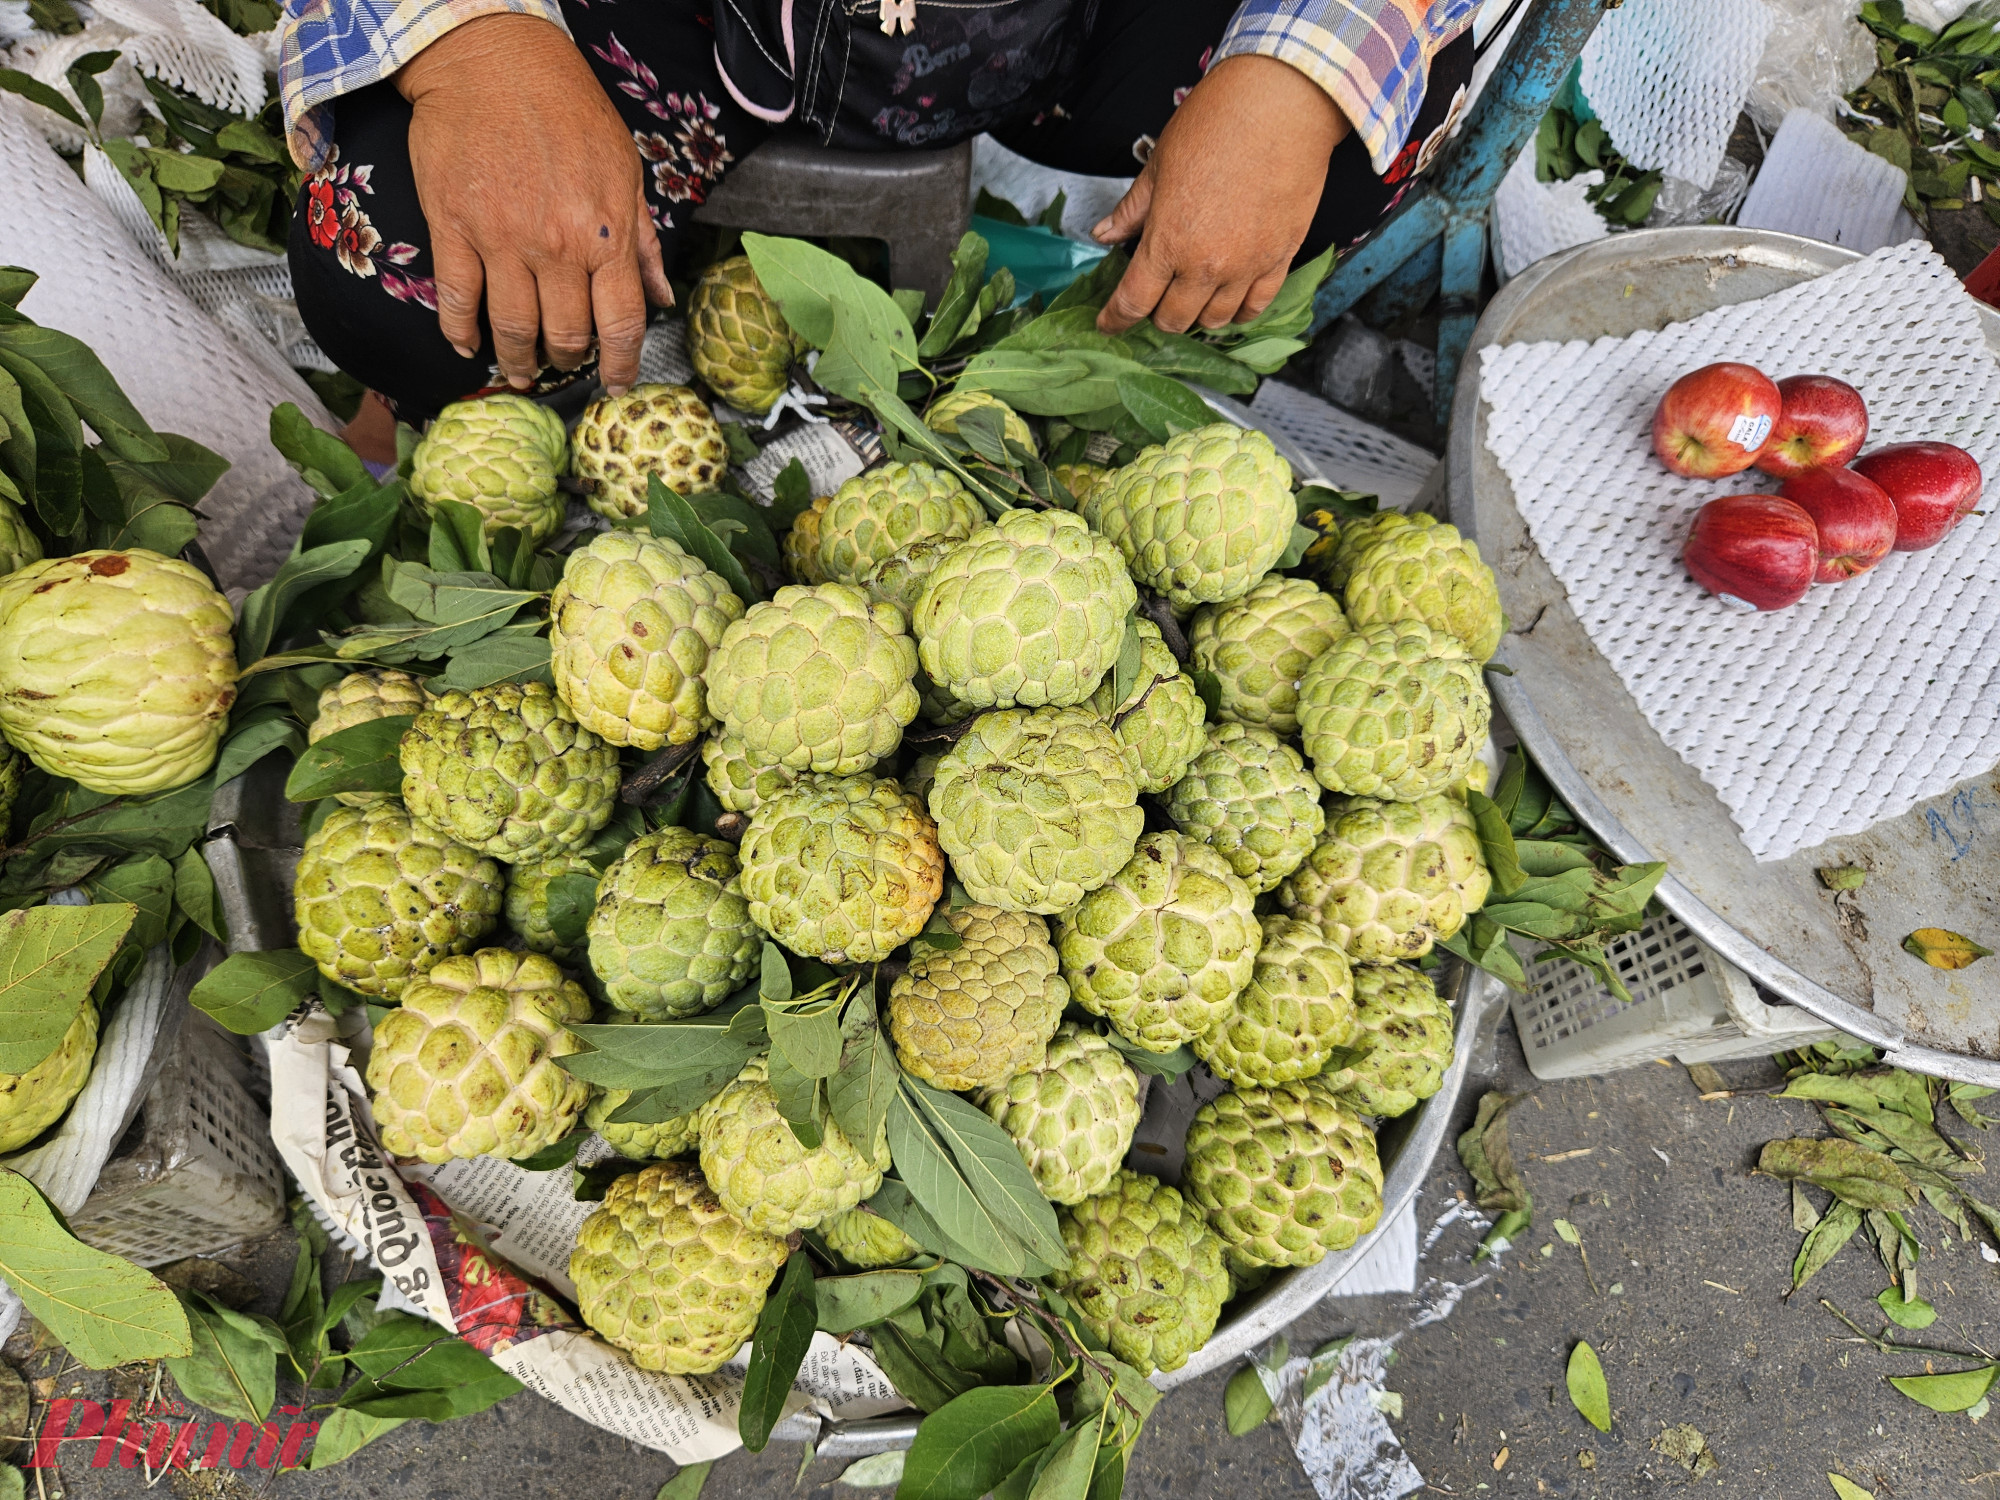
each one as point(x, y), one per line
point(532, 189)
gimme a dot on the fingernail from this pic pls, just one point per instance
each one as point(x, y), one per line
point(616, 390)
point(1100, 229)
point(465, 353)
point(519, 382)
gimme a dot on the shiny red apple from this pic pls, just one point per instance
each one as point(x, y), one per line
point(1822, 424)
point(1855, 520)
point(1753, 551)
point(1933, 486)
point(1714, 421)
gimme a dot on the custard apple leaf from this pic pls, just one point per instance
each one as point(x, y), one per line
point(848, 1304)
point(1167, 1065)
point(267, 607)
point(1094, 287)
point(513, 653)
point(814, 286)
point(88, 387)
point(1483, 943)
point(867, 1078)
point(50, 956)
point(1266, 356)
point(871, 345)
point(742, 447)
point(670, 516)
point(982, 430)
point(991, 1164)
point(1069, 328)
point(909, 302)
point(661, 1054)
point(1345, 505)
point(248, 741)
point(1179, 354)
point(571, 899)
point(556, 1154)
point(774, 976)
point(808, 1039)
point(961, 295)
point(940, 1190)
point(359, 759)
point(975, 1441)
point(1161, 404)
point(1289, 313)
point(195, 894)
point(233, 1369)
point(458, 538)
point(777, 1349)
point(791, 494)
point(1295, 550)
point(751, 522)
point(144, 881)
point(1496, 842)
point(1547, 857)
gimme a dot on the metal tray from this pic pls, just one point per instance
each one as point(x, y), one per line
point(1936, 866)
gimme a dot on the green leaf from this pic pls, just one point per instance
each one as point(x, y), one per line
point(248, 993)
point(1246, 1404)
point(1290, 313)
point(514, 653)
point(809, 1040)
point(1825, 1240)
point(233, 1367)
point(16, 281)
point(800, 1102)
point(322, 460)
point(1847, 1489)
point(1161, 404)
point(1956, 1391)
point(105, 1311)
point(967, 1446)
point(407, 1353)
point(1496, 841)
point(1131, 654)
point(1071, 1463)
point(343, 1432)
point(1158, 1064)
point(1911, 1312)
point(50, 957)
point(876, 1471)
point(13, 81)
point(961, 294)
point(1853, 1174)
point(777, 1349)
point(937, 1186)
point(660, 1054)
point(1509, 1227)
point(144, 882)
point(80, 375)
point(1587, 1390)
point(362, 758)
point(848, 1303)
point(569, 902)
point(686, 1485)
point(458, 538)
point(258, 622)
point(195, 894)
point(992, 1165)
point(668, 515)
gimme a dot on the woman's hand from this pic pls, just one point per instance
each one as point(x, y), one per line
point(532, 189)
point(1226, 200)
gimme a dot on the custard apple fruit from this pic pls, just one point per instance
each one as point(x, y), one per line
point(19, 545)
point(844, 868)
point(502, 456)
point(360, 698)
point(1161, 951)
point(1072, 1116)
point(1201, 517)
point(1396, 711)
point(801, 547)
point(740, 781)
point(671, 934)
point(1145, 1273)
point(32, 1101)
point(527, 903)
point(1036, 808)
point(631, 627)
point(900, 577)
point(652, 429)
point(1331, 559)
point(669, 1138)
point(1402, 1041)
point(816, 679)
point(1259, 647)
point(867, 1241)
point(1429, 574)
point(1284, 1174)
point(1030, 611)
point(380, 897)
point(1390, 877)
point(1082, 480)
point(764, 1175)
point(942, 416)
point(668, 1274)
point(979, 1013)
point(737, 337)
point(1287, 1021)
point(507, 770)
point(882, 511)
point(1162, 720)
point(117, 669)
point(1250, 798)
point(465, 1066)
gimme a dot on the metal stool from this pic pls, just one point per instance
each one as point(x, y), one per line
point(914, 200)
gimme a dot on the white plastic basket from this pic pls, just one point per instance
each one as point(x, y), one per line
point(1686, 1002)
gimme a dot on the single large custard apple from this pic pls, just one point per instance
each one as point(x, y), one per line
point(1162, 721)
point(500, 454)
point(675, 1137)
point(1286, 1022)
point(465, 1066)
point(764, 1175)
point(1161, 950)
point(380, 897)
point(1284, 1173)
point(1402, 1041)
point(1390, 877)
point(1201, 517)
point(973, 1015)
point(844, 868)
point(32, 1101)
point(816, 679)
point(882, 511)
point(1250, 798)
point(671, 934)
point(1331, 558)
point(740, 781)
point(737, 337)
point(942, 415)
point(507, 770)
point(1036, 808)
point(1072, 1116)
point(668, 1274)
point(117, 669)
point(1029, 611)
point(1429, 574)
point(801, 547)
point(867, 1241)
point(1259, 646)
point(527, 902)
point(631, 627)
point(1396, 711)
point(19, 545)
point(652, 429)
point(1145, 1272)
point(360, 698)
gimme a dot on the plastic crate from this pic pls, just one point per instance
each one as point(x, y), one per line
point(1686, 1002)
point(196, 1172)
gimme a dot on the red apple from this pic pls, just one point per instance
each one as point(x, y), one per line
point(1823, 424)
point(1714, 421)
point(1856, 521)
point(1753, 551)
point(1933, 486)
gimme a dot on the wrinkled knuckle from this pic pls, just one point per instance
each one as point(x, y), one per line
point(513, 330)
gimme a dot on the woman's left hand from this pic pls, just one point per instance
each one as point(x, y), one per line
point(1226, 199)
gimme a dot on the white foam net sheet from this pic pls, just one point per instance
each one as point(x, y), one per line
point(1354, 454)
point(1868, 696)
point(1668, 78)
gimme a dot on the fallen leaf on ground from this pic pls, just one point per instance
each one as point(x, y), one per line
point(1587, 1390)
point(1685, 1445)
point(1944, 950)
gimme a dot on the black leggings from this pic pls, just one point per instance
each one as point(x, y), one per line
point(360, 251)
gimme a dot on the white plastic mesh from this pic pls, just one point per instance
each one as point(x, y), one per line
point(1352, 453)
point(175, 363)
point(1867, 697)
point(1533, 219)
point(1668, 78)
point(1818, 183)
